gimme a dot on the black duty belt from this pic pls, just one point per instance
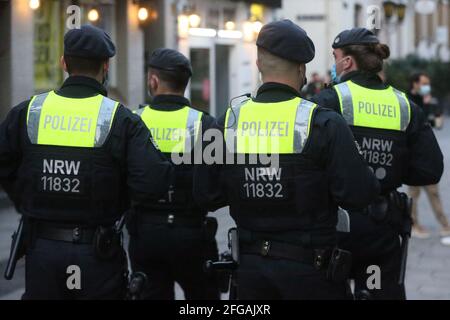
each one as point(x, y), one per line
point(274, 249)
point(171, 219)
point(82, 235)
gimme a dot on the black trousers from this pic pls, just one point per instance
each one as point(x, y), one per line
point(374, 245)
point(169, 254)
point(49, 272)
point(263, 278)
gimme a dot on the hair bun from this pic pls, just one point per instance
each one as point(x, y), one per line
point(382, 50)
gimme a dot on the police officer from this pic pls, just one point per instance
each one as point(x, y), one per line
point(71, 160)
point(171, 238)
point(398, 144)
point(286, 214)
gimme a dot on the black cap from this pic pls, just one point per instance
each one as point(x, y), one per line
point(88, 42)
point(286, 40)
point(170, 60)
point(354, 36)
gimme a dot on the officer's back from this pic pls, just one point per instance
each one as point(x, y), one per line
point(171, 238)
point(398, 145)
point(71, 160)
point(286, 211)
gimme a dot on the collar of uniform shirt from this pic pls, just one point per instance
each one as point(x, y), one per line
point(364, 79)
point(81, 87)
point(274, 92)
point(169, 102)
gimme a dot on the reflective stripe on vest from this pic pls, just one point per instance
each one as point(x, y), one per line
point(173, 131)
point(69, 122)
point(382, 109)
point(264, 128)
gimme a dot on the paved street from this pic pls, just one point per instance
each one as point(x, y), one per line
point(428, 275)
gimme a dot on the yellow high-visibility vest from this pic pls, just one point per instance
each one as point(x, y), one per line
point(382, 109)
point(269, 128)
point(70, 122)
point(173, 131)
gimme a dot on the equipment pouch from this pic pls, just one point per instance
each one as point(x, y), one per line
point(339, 266)
point(379, 210)
point(210, 228)
point(107, 243)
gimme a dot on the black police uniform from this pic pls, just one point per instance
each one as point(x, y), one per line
point(171, 239)
point(63, 227)
point(285, 242)
point(417, 160)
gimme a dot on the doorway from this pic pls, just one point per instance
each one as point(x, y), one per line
point(201, 80)
point(222, 79)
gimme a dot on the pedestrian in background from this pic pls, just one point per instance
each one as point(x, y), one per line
point(314, 86)
point(420, 93)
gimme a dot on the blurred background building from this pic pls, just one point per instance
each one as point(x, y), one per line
point(218, 36)
point(407, 26)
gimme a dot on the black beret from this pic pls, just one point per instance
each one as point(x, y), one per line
point(88, 42)
point(353, 37)
point(170, 60)
point(286, 40)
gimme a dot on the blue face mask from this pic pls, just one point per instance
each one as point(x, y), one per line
point(334, 76)
point(105, 81)
point(425, 90)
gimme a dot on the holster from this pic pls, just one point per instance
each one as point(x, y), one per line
point(223, 275)
point(339, 266)
point(210, 227)
point(136, 286)
point(107, 243)
point(393, 210)
point(17, 251)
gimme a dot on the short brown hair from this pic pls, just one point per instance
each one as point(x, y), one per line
point(175, 80)
point(369, 58)
point(83, 65)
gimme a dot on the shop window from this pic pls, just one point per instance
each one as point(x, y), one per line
point(200, 81)
point(48, 45)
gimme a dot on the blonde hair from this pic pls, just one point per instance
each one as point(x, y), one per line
point(272, 65)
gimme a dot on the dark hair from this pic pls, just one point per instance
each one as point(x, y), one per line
point(83, 65)
point(415, 77)
point(175, 80)
point(369, 58)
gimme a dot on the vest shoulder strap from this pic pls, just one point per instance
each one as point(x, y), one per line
point(34, 116)
point(105, 119)
point(303, 121)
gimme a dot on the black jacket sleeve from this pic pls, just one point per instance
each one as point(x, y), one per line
point(352, 184)
point(10, 147)
point(148, 172)
point(208, 191)
point(425, 165)
point(327, 98)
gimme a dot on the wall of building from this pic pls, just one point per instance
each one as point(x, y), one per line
point(5, 58)
point(17, 59)
point(130, 54)
point(326, 18)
